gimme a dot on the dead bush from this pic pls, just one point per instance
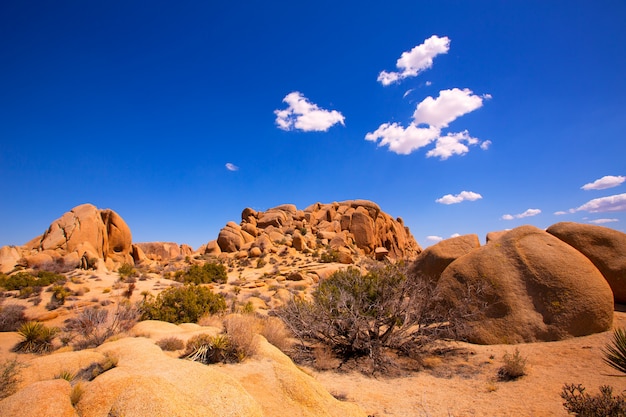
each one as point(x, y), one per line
point(92, 326)
point(604, 404)
point(241, 331)
point(170, 344)
point(513, 367)
point(12, 317)
point(274, 330)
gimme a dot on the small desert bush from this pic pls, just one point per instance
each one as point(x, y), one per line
point(184, 304)
point(274, 330)
point(126, 270)
point(207, 273)
point(209, 349)
point(615, 352)
point(241, 331)
point(10, 372)
point(12, 317)
point(360, 315)
point(170, 344)
point(93, 325)
point(36, 338)
point(513, 367)
point(330, 255)
point(604, 404)
point(24, 279)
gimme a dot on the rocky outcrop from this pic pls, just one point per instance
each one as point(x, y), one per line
point(164, 251)
point(605, 247)
point(353, 228)
point(528, 286)
point(433, 260)
point(146, 382)
point(79, 237)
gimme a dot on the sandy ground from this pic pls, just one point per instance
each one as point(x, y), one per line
point(464, 385)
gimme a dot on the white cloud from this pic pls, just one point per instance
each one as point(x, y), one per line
point(455, 235)
point(602, 221)
point(452, 144)
point(402, 140)
point(416, 60)
point(462, 196)
point(605, 204)
point(560, 213)
point(306, 116)
point(428, 83)
point(409, 91)
point(434, 238)
point(450, 105)
point(608, 181)
point(231, 167)
point(485, 145)
point(527, 213)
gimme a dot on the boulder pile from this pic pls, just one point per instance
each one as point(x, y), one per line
point(350, 228)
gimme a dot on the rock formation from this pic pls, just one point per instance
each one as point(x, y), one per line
point(162, 251)
point(527, 286)
point(605, 247)
point(354, 227)
point(78, 238)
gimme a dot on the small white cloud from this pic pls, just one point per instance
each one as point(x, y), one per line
point(402, 140)
point(455, 235)
point(462, 196)
point(605, 204)
point(448, 106)
point(452, 144)
point(306, 116)
point(409, 91)
point(608, 181)
point(232, 167)
point(602, 221)
point(560, 213)
point(527, 213)
point(416, 60)
point(428, 83)
point(485, 145)
point(434, 238)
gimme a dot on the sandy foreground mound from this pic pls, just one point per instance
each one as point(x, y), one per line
point(148, 382)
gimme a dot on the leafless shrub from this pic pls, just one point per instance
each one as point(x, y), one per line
point(274, 330)
point(241, 331)
point(12, 317)
point(359, 315)
point(92, 326)
point(170, 344)
point(513, 367)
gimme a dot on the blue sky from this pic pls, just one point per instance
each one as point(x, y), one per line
point(458, 116)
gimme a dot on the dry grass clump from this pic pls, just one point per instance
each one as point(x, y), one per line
point(170, 344)
point(241, 331)
point(274, 330)
point(514, 366)
point(10, 372)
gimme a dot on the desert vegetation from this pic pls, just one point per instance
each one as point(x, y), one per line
point(182, 304)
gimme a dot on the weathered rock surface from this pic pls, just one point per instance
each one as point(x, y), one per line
point(435, 259)
point(605, 247)
point(79, 236)
point(357, 227)
point(146, 382)
point(164, 251)
point(527, 286)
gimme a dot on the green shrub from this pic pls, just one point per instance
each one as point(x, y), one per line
point(580, 403)
point(25, 279)
point(207, 273)
point(331, 255)
point(184, 304)
point(126, 270)
point(358, 314)
point(9, 377)
point(615, 353)
point(36, 338)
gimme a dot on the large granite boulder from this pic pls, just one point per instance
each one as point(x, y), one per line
point(527, 286)
point(605, 247)
point(433, 260)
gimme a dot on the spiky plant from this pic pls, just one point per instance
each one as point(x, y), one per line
point(37, 338)
point(615, 352)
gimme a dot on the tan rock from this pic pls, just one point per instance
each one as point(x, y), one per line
point(9, 256)
point(40, 399)
point(212, 248)
point(528, 287)
point(605, 247)
point(435, 259)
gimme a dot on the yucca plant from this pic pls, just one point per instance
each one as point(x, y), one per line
point(615, 352)
point(208, 349)
point(37, 338)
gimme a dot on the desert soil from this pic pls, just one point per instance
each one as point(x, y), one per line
point(459, 385)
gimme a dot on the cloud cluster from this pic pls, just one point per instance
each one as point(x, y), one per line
point(608, 181)
point(604, 204)
point(303, 115)
point(603, 221)
point(462, 196)
point(527, 213)
point(431, 114)
point(418, 59)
